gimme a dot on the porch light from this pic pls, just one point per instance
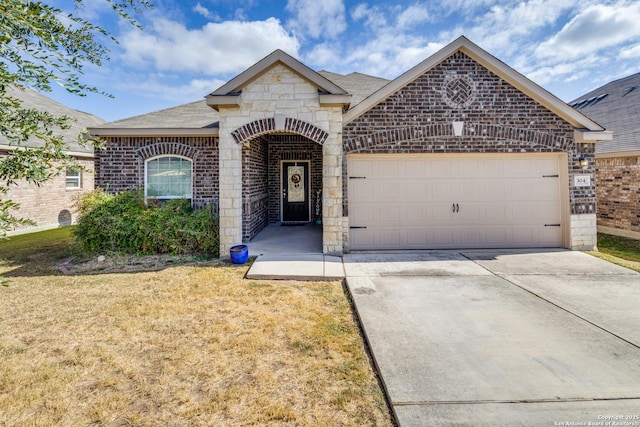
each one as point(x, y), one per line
point(584, 163)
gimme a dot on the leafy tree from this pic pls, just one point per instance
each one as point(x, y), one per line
point(41, 45)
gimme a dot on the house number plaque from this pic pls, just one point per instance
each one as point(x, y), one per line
point(582, 180)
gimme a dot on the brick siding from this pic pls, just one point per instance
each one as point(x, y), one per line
point(51, 204)
point(497, 118)
point(255, 187)
point(120, 166)
point(618, 193)
point(292, 147)
point(268, 125)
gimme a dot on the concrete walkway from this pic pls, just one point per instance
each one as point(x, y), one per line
point(292, 253)
point(493, 338)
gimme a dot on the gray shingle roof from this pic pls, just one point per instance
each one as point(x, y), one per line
point(192, 115)
point(199, 115)
point(32, 99)
point(616, 106)
point(359, 85)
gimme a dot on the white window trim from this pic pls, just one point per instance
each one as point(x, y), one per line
point(190, 196)
point(78, 179)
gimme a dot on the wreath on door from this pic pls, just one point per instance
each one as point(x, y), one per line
point(295, 178)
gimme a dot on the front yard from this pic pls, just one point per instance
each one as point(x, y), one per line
point(185, 345)
point(619, 250)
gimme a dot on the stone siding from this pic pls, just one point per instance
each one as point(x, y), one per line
point(277, 101)
point(584, 235)
point(120, 166)
point(618, 193)
point(49, 205)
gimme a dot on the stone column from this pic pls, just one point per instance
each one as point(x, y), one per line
point(230, 170)
point(332, 188)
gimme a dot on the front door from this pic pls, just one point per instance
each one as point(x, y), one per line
point(295, 192)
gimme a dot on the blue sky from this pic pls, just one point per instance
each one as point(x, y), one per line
point(187, 49)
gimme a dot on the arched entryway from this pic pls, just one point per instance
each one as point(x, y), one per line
point(282, 186)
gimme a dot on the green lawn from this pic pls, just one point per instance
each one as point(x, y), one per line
point(619, 250)
point(621, 247)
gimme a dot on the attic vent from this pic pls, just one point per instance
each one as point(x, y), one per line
point(631, 89)
point(587, 102)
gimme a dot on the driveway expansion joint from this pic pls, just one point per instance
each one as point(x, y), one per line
point(524, 288)
point(515, 401)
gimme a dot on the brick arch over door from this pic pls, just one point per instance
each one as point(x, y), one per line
point(440, 136)
point(167, 148)
point(262, 127)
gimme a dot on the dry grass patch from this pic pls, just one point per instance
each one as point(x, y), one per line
point(185, 346)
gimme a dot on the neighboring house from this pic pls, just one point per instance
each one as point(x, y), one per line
point(460, 151)
point(51, 204)
point(616, 106)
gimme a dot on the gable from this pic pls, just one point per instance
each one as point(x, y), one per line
point(497, 116)
point(228, 95)
point(504, 72)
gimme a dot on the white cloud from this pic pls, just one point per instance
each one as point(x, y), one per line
point(216, 48)
point(373, 17)
point(200, 9)
point(514, 27)
point(317, 18)
point(630, 52)
point(325, 55)
point(159, 88)
point(390, 46)
point(414, 14)
point(595, 28)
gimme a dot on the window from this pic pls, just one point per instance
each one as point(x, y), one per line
point(168, 177)
point(74, 179)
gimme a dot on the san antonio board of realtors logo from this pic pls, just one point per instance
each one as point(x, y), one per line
point(458, 91)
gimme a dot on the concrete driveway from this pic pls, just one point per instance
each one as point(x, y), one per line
point(490, 338)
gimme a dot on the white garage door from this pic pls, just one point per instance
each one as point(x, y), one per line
point(467, 201)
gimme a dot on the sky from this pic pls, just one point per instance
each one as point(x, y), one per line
point(188, 49)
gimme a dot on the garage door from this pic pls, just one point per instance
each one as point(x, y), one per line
point(468, 201)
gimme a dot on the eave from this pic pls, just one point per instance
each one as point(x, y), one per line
point(102, 132)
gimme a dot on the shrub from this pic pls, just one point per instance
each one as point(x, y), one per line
point(122, 223)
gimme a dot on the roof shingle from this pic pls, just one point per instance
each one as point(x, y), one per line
point(616, 106)
point(199, 115)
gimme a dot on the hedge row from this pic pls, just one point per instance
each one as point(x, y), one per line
point(122, 223)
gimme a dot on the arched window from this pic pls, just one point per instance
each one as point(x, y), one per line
point(168, 177)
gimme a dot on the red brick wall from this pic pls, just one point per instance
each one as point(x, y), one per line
point(292, 147)
point(498, 119)
point(255, 187)
point(618, 192)
point(120, 165)
point(50, 204)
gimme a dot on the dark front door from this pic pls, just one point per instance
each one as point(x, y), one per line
point(295, 191)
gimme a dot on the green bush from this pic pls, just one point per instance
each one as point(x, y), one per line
point(122, 223)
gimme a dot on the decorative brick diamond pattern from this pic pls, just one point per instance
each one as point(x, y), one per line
point(458, 92)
